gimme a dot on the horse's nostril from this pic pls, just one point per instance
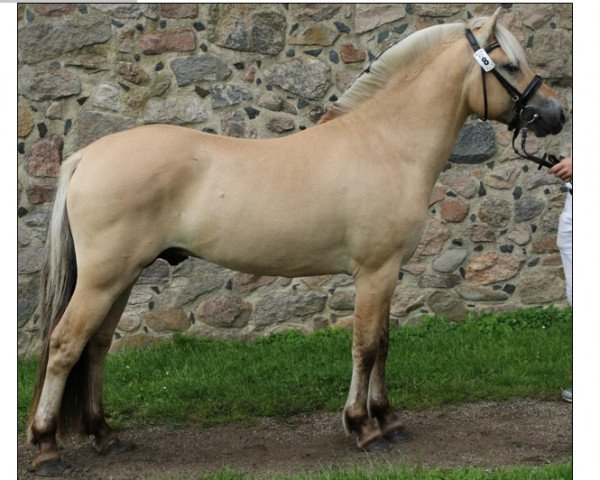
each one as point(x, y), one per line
point(562, 117)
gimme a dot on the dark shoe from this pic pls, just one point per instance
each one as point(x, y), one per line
point(567, 395)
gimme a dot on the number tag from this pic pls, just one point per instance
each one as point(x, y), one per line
point(484, 60)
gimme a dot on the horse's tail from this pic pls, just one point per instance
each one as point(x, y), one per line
point(58, 278)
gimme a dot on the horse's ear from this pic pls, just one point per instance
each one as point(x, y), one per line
point(487, 30)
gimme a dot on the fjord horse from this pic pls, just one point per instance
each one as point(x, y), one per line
point(349, 195)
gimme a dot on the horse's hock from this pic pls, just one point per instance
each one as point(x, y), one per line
point(267, 71)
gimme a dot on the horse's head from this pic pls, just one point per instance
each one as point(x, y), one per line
point(502, 86)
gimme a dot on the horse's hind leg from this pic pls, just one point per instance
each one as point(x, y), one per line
point(374, 291)
point(93, 421)
point(87, 310)
point(390, 424)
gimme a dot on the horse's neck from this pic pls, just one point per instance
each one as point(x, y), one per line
point(419, 117)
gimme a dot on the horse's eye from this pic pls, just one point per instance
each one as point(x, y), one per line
point(512, 68)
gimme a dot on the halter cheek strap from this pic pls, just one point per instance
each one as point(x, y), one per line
point(483, 81)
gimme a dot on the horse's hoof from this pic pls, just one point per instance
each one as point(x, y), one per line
point(400, 435)
point(115, 447)
point(379, 445)
point(51, 468)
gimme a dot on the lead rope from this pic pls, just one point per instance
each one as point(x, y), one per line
point(547, 160)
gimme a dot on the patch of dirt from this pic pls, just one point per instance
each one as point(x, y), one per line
point(489, 434)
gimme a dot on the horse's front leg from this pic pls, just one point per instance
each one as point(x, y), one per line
point(374, 289)
point(391, 426)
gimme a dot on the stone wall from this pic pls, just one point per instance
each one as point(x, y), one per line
point(86, 70)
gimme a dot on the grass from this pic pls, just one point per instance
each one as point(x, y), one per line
point(520, 354)
point(560, 471)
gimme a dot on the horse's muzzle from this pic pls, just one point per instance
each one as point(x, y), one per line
point(544, 118)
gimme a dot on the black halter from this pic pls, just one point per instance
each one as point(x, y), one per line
point(524, 115)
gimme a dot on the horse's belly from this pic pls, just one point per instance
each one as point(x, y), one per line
point(268, 238)
point(278, 262)
point(271, 253)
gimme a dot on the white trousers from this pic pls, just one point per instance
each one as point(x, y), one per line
point(564, 241)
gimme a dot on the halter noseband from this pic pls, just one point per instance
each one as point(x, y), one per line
point(524, 115)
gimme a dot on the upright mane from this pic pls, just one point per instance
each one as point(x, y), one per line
point(405, 53)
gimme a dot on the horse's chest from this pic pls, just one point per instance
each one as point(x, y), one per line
point(407, 227)
point(388, 232)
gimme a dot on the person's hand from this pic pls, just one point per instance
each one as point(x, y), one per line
point(563, 169)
